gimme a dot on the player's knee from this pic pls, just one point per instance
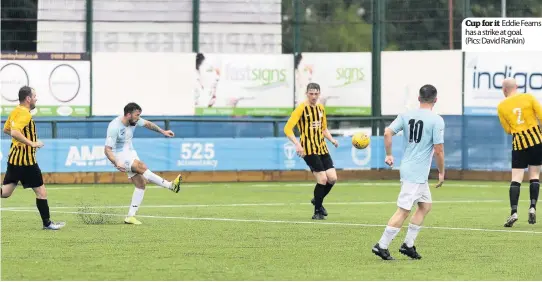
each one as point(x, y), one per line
point(399, 217)
point(139, 167)
point(332, 179)
point(403, 212)
point(6, 194)
point(534, 173)
point(322, 178)
point(322, 181)
point(425, 208)
point(143, 167)
point(517, 175)
point(41, 193)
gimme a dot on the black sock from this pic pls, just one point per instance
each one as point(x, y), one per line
point(534, 189)
point(43, 208)
point(328, 188)
point(514, 196)
point(319, 191)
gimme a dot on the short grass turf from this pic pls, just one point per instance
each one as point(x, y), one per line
point(264, 231)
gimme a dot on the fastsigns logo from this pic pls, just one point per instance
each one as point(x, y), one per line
point(259, 78)
point(348, 76)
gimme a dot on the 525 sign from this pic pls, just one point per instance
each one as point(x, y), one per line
point(197, 151)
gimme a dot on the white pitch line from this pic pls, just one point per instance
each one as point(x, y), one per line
point(254, 204)
point(290, 222)
point(264, 185)
point(394, 184)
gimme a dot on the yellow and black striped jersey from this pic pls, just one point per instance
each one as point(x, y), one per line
point(311, 122)
point(20, 154)
point(519, 115)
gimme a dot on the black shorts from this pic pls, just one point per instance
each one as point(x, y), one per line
point(527, 157)
point(319, 163)
point(30, 176)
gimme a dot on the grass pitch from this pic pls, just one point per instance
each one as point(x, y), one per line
point(263, 231)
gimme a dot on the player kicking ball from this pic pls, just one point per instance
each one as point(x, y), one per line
point(424, 136)
point(120, 151)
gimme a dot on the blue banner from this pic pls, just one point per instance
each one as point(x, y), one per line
point(238, 154)
point(213, 154)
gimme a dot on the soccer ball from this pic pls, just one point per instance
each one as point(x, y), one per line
point(360, 140)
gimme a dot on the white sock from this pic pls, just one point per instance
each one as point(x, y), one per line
point(387, 236)
point(137, 198)
point(411, 235)
point(150, 176)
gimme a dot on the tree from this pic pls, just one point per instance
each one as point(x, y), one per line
point(327, 26)
point(338, 25)
point(19, 25)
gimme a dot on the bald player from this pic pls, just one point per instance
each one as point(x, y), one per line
point(519, 114)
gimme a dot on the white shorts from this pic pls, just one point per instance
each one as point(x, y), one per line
point(412, 193)
point(127, 157)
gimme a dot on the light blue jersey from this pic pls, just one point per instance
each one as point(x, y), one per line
point(422, 129)
point(119, 136)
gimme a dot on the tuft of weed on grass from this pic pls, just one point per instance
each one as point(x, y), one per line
point(95, 216)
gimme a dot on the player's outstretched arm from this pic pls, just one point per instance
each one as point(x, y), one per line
point(152, 126)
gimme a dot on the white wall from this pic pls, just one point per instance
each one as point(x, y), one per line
point(161, 83)
point(404, 72)
point(157, 77)
point(250, 26)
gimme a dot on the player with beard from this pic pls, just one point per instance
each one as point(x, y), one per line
point(120, 151)
point(22, 163)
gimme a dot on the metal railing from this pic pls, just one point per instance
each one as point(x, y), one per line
point(277, 123)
